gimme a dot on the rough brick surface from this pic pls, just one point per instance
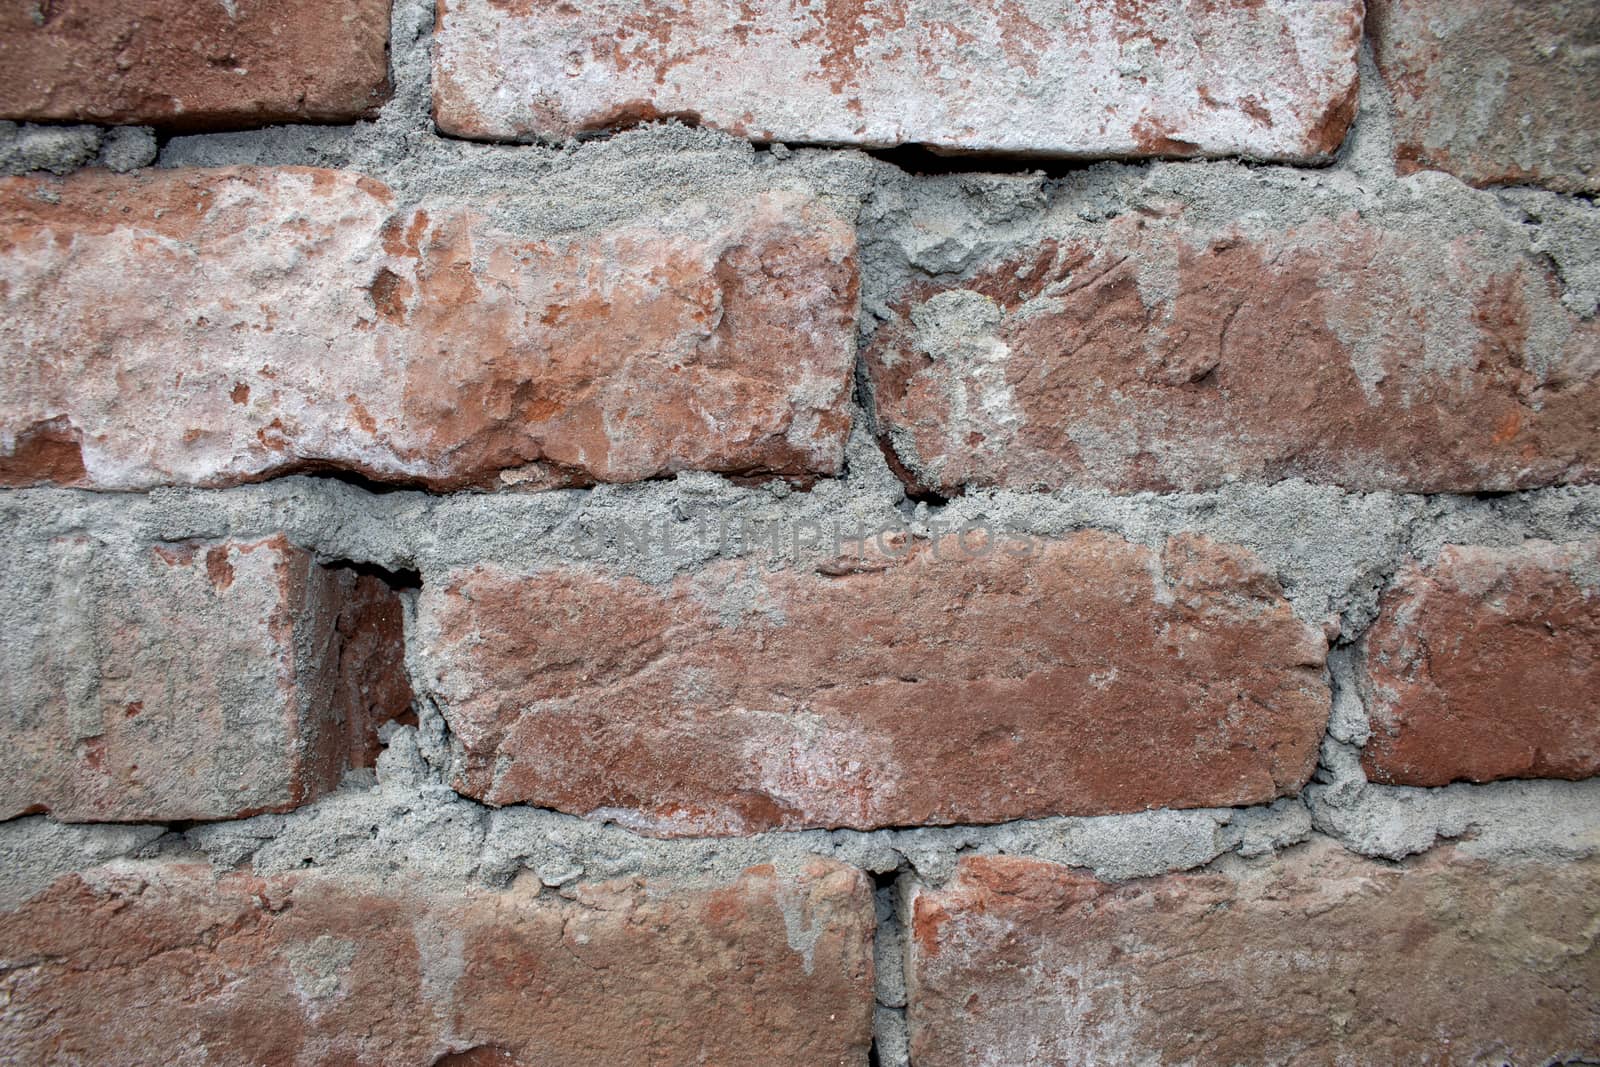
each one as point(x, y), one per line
point(193, 65)
point(1487, 665)
point(163, 963)
point(1090, 676)
point(1167, 353)
point(1275, 79)
point(216, 326)
point(1317, 957)
point(1494, 91)
point(189, 681)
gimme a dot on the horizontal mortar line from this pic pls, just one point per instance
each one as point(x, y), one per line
point(401, 135)
point(1065, 494)
point(920, 833)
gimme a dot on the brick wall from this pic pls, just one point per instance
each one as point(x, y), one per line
point(877, 533)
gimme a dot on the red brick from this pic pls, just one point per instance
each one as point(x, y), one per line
point(1494, 91)
point(160, 963)
point(201, 680)
point(1092, 676)
point(209, 327)
point(1166, 353)
point(193, 65)
point(1275, 79)
point(1487, 665)
point(1316, 957)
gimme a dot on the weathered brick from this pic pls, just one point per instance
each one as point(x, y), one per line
point(1164, 351)
point(165, 963)
point(216, 326)
point(1275, 79)
point(1487, 665)
point(1316, 957)
point(1494, 91)
point(193, 65)
point(1092, 675)
point(200, 680)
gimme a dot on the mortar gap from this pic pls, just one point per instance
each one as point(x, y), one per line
point(922, 160)
point(312, 468)
point(914, 490)
point(399, 579)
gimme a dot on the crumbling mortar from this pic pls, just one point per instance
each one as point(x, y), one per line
point(411, 800)
point(425, 830)
point(412, 530)
point(404, 818)
point(1332, 550)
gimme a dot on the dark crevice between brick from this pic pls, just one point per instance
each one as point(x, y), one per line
point(373, 687)
point(478, 1056)
point(916, 159)
point(334, 473)
point(399, 579)
point(888, 1019)
point(922, 161)
point(914, 490)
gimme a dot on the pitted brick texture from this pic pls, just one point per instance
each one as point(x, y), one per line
point(208, 65)
point(464, 751)
point(204, 680)
point(168, 963)
point(1273, 80)
point(1497, 92)
point(207, 327)
point(1316, 957)
point(1166, 354)
point(1089, 676)
point(1486, 665)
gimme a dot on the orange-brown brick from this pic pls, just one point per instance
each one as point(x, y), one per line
point(1167, 352)
point(209, 65)
point(201, 680)
point(1316, 957)
point(167, 963)
point(1091, 676)
point(209, 327)
point(1486, 665)
point(1274, 79)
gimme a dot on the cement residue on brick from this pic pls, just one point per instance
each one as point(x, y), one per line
point(1331, 550)
point(1566, 229)
point(407, 826)
point(35, 850)
point(531, 191)
point(1515, 819)
point(1042, 392)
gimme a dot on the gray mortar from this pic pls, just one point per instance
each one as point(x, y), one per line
point(891, 1034)
point(34, 850)
point(1332, 551)
point(1567, 230)
point(406, 824)
point(530, 190)
point(57, 149)
point(1369, 148)
point(127, 148)
point(1513, 819)
point(60, 149)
